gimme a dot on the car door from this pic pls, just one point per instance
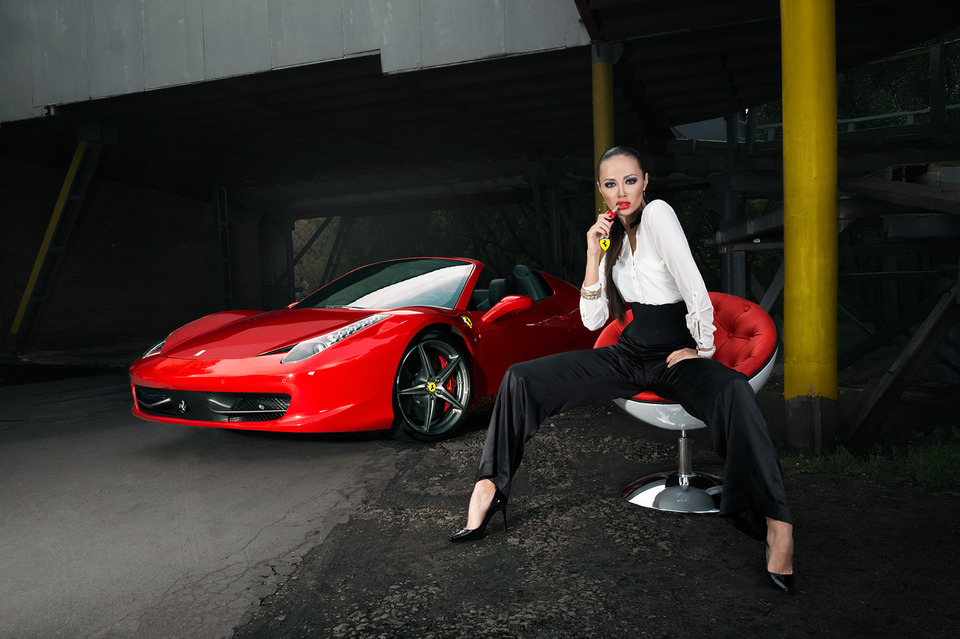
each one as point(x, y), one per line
point(519, 336)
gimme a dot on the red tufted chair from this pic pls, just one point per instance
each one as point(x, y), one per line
point(746, 340)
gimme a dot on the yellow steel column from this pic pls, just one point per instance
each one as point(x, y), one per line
point(604, 56)
point(48, 236)
point(808, 30)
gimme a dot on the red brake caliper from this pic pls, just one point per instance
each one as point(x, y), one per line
point(450, 385)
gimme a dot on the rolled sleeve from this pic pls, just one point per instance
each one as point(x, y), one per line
point(594, 313)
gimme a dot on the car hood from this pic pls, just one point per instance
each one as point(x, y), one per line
point(260, 334)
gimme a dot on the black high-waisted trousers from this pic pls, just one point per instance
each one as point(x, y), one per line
point(721, 397)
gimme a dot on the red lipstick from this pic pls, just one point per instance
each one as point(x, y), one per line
point(622, 204)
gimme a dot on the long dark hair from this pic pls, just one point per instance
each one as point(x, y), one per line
point(615, 304)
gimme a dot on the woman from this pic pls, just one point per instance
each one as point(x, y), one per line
point(666, 348)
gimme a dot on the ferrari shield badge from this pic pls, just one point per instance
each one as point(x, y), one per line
point(467, 321)
point(604, 243)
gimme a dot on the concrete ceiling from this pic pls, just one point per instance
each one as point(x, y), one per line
point(342, 138)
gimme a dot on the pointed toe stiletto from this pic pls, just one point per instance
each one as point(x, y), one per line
point(782, 583)
point(499, 502)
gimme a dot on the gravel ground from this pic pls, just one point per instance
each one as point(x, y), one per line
point(872, 560)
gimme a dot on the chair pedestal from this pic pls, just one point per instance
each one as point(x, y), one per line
point(746, 341)
point(681, 491)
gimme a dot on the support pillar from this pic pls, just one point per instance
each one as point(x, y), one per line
point(604, 56)
point(938, 89)
point(811, 393)
point(733, 264)
point(60, 233)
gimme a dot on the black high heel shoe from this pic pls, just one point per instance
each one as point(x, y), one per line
point(499, 502)
point(782, 583)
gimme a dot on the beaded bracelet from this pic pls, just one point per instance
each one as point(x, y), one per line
point(590, 295)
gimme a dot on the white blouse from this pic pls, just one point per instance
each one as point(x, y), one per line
point(660, 271)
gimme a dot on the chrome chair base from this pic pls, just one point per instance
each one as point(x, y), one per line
point(697, 493)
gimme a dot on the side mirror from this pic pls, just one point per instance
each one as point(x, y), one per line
point(509, 304)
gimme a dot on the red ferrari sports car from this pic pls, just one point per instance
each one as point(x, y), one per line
point(410, 345)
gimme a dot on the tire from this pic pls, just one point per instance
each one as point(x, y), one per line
point(431, 391)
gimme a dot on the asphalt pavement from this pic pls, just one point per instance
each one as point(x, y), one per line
point(116, 527)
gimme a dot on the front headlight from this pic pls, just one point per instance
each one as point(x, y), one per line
point(311, 347)
point(154, 349)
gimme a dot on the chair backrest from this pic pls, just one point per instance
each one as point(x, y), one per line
point(744, 334)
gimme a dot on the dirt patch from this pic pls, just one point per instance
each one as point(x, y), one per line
point(872, 560)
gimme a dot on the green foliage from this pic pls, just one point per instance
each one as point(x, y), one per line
point(934, 465)
point(890, 87)
point(953, 78)
point(896, 85)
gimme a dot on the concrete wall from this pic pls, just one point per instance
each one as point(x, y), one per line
point(141, 262)
point(62, 51)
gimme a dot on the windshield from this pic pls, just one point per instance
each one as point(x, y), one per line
point(390, 285)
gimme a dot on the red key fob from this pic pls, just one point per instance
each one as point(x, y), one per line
point(605, 241)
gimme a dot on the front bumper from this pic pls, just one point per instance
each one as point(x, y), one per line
point(211, 407)
point(345, 395)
